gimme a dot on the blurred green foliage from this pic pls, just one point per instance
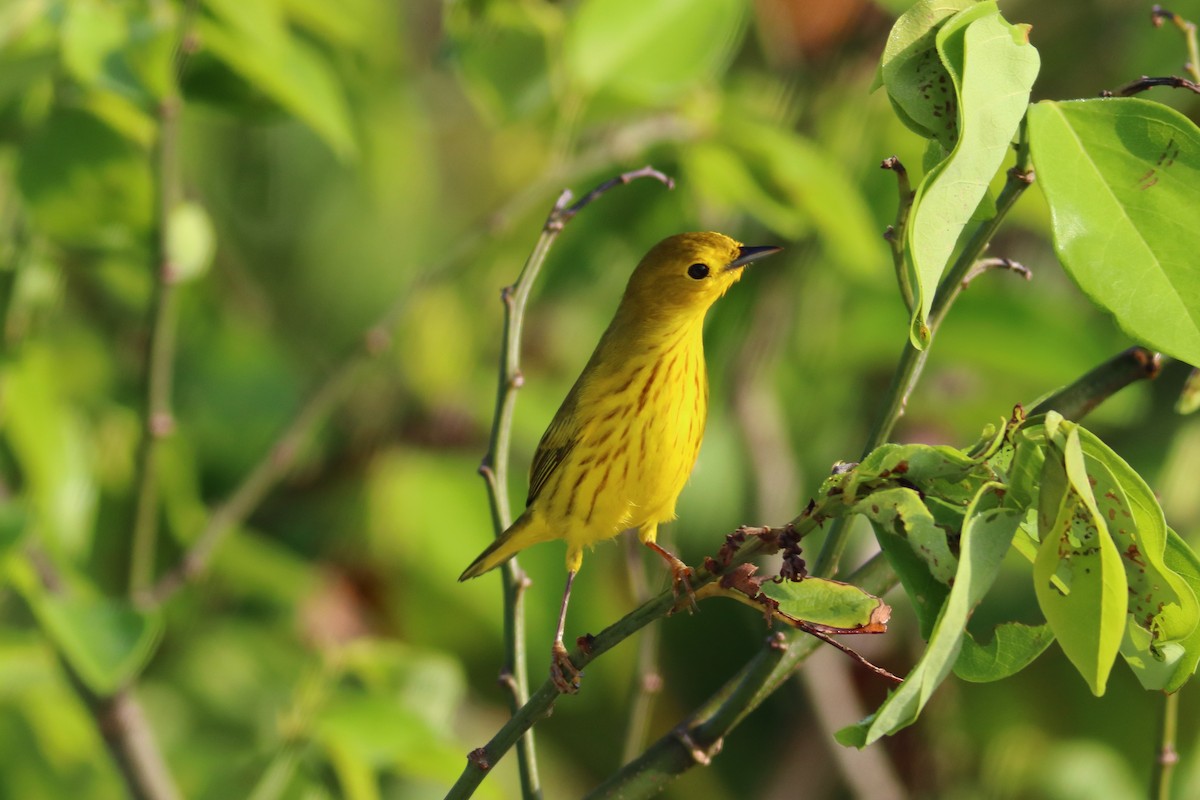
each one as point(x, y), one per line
point(339, 158)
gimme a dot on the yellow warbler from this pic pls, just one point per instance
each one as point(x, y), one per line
point(622, 445)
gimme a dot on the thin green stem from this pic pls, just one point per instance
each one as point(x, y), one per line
point(647, 682)
point(158, 420)
point(896, 232)
point(1168, 756)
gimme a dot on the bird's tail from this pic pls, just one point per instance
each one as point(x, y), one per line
point(521, 534)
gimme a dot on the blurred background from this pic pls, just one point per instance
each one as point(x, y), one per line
point(361, 178)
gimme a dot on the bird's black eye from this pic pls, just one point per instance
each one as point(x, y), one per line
point(698, 271)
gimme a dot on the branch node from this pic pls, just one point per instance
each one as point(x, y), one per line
point(699, 755)
point(1025, 176)
point(377, 340)
point(162, 424)
point(479, 758)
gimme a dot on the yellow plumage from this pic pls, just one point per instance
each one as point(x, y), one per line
point(625, 439)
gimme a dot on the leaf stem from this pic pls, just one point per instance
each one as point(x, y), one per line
point(895, 233)
point(1077, 399)
point(158, 422)
point(1158, 15)
point(1168, 756)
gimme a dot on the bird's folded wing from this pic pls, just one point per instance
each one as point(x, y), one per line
point(557, 443)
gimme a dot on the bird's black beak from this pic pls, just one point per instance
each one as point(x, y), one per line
point(748, 254)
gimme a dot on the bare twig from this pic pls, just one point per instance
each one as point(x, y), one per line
point(1146, 82)
point(1077, 399)
point(130, 740)
point(895, 232)
point(647, 682)
point(158, 421)
point(1159, 15)
point(1168, 756)
point(985, 264)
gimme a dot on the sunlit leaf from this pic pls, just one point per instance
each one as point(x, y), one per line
point(50, 446)
point(1121, 178)
point(825, 602)
point(918, 85)
point(1013, 647)
point(986, 536)
point(1078, 576)
point(106, 642)
point(650, 49)
point(993, 67)
point(255, 42)
point(84, 183)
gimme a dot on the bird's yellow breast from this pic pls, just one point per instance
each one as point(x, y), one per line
point(638, 432)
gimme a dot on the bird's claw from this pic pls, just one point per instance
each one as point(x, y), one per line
point(563, 672)
point(680, 572)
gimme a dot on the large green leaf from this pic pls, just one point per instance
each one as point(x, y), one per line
point(84, 183)
point(917, 83)
point(650, 49)
point(993, 67)
point(986, 536)
point(825, 602)
point(253, 39)
point(105, 641)
point(1122, 177)
point(1012, 648)
point(1078, 574)
point(52, 450)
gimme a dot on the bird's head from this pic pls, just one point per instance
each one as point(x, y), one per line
point(689, 271)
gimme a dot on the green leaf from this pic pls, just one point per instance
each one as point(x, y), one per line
point(1189, 397)
point(1159, 600)
point(1183, 561)
point(106, 642)
point(92, 32)
point(806, 178)
point(1013, 647)
point(506, 58)
point(254, 41)
point(919, 87)
point(84, 183)
point(13, 523)
point(901, 511)
point(926, 592)
point(650, 49)
point(993, 66)
point(825, 602)
point(191, 241)
point(1078, 575)
point(50, 446)
point(1121, 178)
point(987, 533)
